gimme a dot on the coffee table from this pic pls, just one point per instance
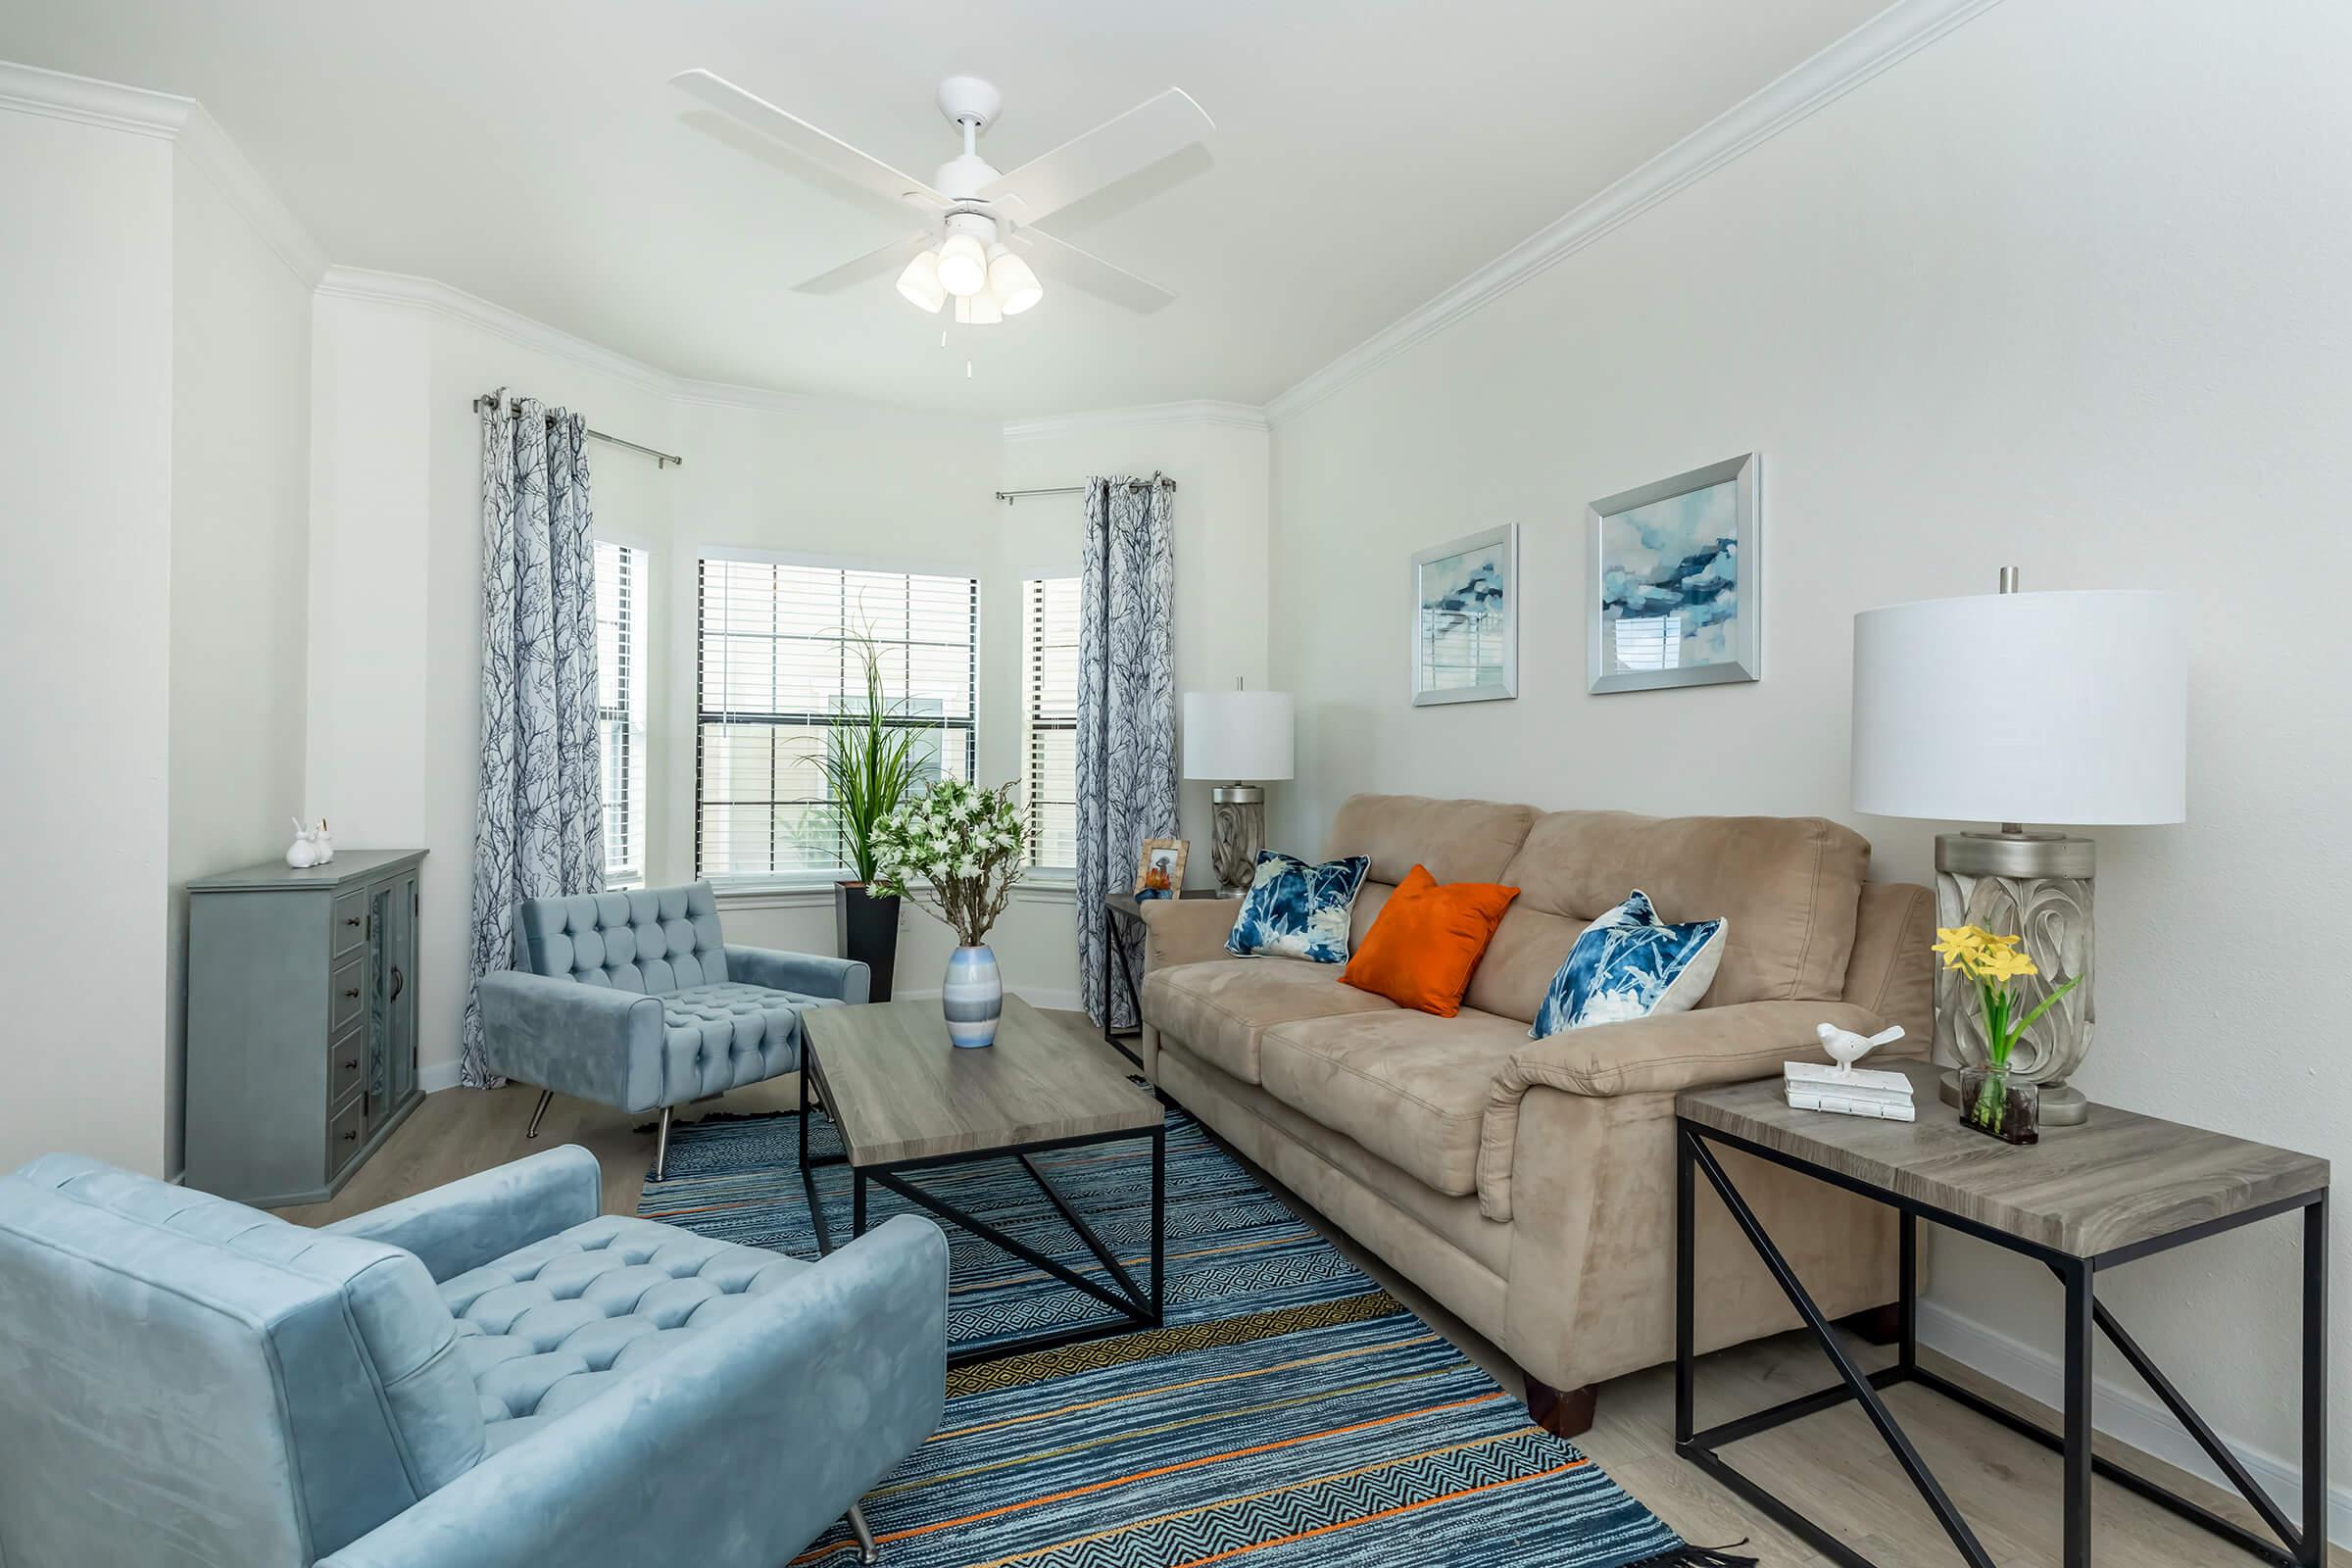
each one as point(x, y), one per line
point(905, 1100)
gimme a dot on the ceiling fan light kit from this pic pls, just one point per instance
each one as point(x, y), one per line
point(976, 222)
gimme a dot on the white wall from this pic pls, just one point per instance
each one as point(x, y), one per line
point(86, 502)
point(2065, 290)
point(1217, 453)
point(240, 358)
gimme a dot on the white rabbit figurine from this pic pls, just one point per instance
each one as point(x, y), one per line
point(325, 844)
point(304, 851)
point(1845, 1047)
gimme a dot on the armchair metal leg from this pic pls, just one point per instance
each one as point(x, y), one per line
point(661, 1145)
point(867, 1552)
point(539, 1111)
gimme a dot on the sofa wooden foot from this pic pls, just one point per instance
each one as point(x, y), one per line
point(1875, 1325)
point(1566, 1414)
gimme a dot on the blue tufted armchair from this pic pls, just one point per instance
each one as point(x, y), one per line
point(634, 1000)
point(489, 1374)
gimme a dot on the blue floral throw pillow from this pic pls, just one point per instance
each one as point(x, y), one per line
point(1297, 911)
point(1630, 964)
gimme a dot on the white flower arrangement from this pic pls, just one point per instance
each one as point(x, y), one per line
point(963, 839)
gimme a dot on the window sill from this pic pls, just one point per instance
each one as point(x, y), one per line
point(1031, 889)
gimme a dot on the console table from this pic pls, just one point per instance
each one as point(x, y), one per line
point(2083, 1201)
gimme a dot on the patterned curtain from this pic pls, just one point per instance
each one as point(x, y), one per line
point(539, 818)
point(1126, 713)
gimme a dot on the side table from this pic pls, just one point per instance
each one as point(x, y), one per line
point(1117, 907)
point(2085, 1200)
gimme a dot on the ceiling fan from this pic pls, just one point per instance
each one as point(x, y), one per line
point(977, 223)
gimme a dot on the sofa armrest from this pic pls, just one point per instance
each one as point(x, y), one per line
point(805, 972)
point(594, 1042)
point(743, 1446)
point(465, 1223)
point(1652, 1055)
point(1185, 931)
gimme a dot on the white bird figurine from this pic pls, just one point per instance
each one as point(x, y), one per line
point(1845, 1047)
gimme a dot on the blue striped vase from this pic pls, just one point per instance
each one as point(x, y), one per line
point(973, 996)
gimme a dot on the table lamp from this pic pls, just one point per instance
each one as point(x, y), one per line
point(1241, 738)
point(2016, 708)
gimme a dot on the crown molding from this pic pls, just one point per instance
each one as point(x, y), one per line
point(404, 291)
point(1198, 411)
point(1884, 41)
point(182, 122)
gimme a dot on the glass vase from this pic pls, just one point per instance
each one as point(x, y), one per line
point(1998, 1105)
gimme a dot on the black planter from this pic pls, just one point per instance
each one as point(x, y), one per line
point(866, 928)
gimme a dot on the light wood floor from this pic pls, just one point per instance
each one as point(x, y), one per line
point(1832, 1466)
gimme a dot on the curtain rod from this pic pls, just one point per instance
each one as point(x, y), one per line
point(661, 459)
point(1008, 497)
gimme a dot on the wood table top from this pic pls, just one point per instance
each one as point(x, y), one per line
point(899, 1091)
point(1129, 904)
point(2117, 1179)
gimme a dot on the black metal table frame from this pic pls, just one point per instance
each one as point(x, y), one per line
point(1135, 1308)
point(1116, 957)
point(2304, 1546)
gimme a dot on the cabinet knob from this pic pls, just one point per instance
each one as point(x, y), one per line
point(351, 1066)
point(353, 995)
point(351, 919)
point(352, 1137)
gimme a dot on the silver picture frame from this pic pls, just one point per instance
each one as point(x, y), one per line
point(1743, 637)
point(1427, 688)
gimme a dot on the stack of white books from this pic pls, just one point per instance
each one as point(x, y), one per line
point(1848, 1090)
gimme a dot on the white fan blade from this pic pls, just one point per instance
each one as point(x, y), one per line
point(1152, 131)
point(1064, 263)
point(882, 262)
point(827, 152)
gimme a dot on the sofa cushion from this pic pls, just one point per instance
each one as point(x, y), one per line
point(1789, 887)
point(721, 1037)
point(1220, 1009)
point(1460, 841)
point(647, 939)
point(1410, 1087)
point(1297, 911)
point(554, 1324)
point(1428, 937)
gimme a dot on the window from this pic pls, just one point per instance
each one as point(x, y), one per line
point(1049, 721)
point(620, 601)
point(778, 668)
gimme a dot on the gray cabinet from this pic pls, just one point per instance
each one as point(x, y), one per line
point(302, 1023)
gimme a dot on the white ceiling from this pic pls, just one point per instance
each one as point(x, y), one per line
point(1366, 156)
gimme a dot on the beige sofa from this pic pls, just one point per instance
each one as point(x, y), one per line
point(1527, 1185)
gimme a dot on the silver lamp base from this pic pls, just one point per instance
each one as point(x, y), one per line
point(2037, 885)
point(1241, 832)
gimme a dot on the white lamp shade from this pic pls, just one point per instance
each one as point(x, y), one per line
point(978, 310)
point(1010, 279)
point(1237, 737)
point(2061, 709)
point(962, 266)
point(921, 282)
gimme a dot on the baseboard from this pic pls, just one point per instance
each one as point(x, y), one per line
point(2120, 1411)
point(437, 1075)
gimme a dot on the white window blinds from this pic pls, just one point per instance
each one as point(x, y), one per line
point(778, 667)
point(620, 601)
point(1049, 721)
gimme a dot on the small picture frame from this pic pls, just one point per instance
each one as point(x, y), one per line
point(1160, 872)
point(1673, 595)
point(1467, 619)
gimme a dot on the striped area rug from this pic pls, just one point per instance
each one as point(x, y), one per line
point(1290, 1413)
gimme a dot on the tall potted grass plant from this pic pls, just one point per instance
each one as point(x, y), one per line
point(871, 763)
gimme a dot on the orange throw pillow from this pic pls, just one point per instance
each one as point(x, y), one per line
point(1426, 940)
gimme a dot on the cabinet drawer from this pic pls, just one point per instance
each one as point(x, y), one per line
point(344, 1132)
point(343, 992)
point(346, 1065)
point(348, 916)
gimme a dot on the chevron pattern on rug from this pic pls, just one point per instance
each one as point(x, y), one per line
point(1290, 1413)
